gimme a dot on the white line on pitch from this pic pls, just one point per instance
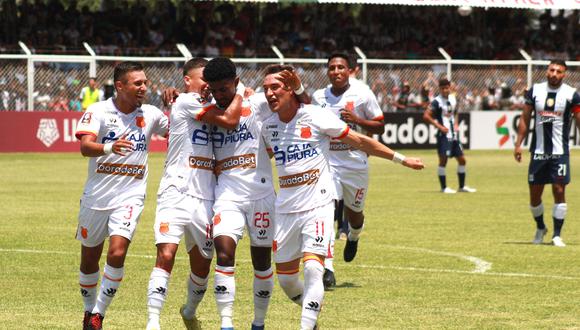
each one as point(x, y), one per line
point(427, 270)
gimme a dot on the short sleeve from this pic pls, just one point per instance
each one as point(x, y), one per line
point(575, 102)
point(89, 124)
point(328, 123)
point(194, 105)
point(372, 108)
point(434, 107)
point(530, 96)
point(162, 123)
point(260, 105)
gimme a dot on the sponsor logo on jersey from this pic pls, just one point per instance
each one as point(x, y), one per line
point(546, 157)
point(239, 134)
point(47, 131)
point(294, 152)
point(201, 136)
point(304, 178)
point(136, 171)
point(240, 161)
point(201, 163)
point(339, 146)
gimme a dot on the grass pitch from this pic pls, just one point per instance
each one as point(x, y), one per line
point(426, 260)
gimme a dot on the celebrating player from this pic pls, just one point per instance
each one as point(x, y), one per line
point(186, 192)
point(442, 113)
point(358, 107)
point(115, 134)
point(553, 105)
point(300, 136)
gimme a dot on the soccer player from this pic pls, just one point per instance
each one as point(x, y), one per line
point(552, 104)
point(442, 113)
point(115, 134)
point(244, 198)
point(299, 136)
point(358, 107)
point(186, 192)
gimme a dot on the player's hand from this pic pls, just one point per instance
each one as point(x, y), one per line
point(414, 163)
point(348, 116)
point(444, 130)
point(240, 89)
point(249, 92)
point(290, 79)
point(169, 96)
point(518, 154)
point(122, 147)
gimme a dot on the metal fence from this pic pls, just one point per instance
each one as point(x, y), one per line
point(36, 82)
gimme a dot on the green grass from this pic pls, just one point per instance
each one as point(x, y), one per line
point(410, 272)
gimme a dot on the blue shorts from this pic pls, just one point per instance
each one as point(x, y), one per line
point(545, 169)
point(449, 148)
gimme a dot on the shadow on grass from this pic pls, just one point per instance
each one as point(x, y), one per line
point(345, 285)
point(530, 243)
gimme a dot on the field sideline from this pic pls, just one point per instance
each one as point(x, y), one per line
point(426, 260)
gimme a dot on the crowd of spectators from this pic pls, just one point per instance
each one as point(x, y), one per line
point(212, 28)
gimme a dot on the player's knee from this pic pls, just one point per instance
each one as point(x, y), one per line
point(291, 285)
point(225, 258)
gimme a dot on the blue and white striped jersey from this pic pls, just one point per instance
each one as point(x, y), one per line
point(553, 109)
point(444, 111)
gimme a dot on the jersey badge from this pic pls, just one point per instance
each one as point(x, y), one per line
point(305, 132)
point(140, 121)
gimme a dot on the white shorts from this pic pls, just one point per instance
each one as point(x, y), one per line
point(257, 216)
point(308, 231)
point(96, 225)
point(180, 215)
point(352, 187)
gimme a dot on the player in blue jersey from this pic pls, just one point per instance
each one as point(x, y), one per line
point(442, 113)
point(552, 104)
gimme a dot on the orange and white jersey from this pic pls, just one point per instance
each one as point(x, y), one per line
point(301, 150)
point(243, 167)
point(112, 179)
point(190, 164)
point(360, 99)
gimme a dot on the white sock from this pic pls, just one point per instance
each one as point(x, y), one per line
point(196, 287)
point(313, 292)
point(157, 293)
point(112, 278)
point(263, 286)
point(88, 283)
point(461, 169)
point(441, 171)
point(291, 284)
point(537, 210)
point(225, 292)
point(559, 211)
point(329, 264)
point(329, 260)
point(353, 233)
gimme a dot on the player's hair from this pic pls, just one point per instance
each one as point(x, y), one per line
point(194, 63)
point(559, 62)
point(346, 57)
point(125, 67)
point(219, 68)
point(275, 68)
point(444, 82)
point(352, 61)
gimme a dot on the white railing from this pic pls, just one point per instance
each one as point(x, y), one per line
point(43, 73)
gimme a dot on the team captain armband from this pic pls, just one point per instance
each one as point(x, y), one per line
point(398, 158)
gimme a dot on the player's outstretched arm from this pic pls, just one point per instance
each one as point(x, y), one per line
point(375, 148)
point(522, 131)
point(90, 147)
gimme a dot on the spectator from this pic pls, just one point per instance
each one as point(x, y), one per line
point(90, 94)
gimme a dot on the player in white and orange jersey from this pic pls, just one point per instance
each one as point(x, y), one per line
point(299, 136)
point(358, 107)
point(115, 134)
point(186, 192)
point(244, 198)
